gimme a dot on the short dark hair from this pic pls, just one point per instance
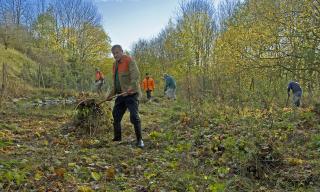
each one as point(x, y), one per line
point(147, 73)
point(115, 47)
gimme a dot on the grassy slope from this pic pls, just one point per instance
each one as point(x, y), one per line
point(212, 149)
point(19, 67)
point(15, 62)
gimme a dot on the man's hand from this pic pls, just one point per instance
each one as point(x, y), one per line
point(130, 91)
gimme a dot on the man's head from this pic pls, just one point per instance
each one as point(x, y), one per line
point(147, 75)
point(294, 81)
point(117, 52)
point(165, 75)
point(97, 69)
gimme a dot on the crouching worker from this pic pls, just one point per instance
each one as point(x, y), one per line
point(297, 93)
point(170, 87)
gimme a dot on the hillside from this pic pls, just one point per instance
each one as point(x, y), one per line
point(17, 62)
point(19, 71)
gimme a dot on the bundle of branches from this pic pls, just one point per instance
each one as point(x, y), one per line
point(316, 108)
point(92, 117)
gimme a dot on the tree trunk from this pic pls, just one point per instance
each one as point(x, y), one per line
point(4, 82)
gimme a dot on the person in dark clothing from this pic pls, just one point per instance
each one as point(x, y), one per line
point(125, 80)
point(170, 87)
point(297, 92)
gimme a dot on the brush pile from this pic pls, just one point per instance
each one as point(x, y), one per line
point(92, 118)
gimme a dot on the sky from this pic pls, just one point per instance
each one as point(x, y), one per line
point(127, 21)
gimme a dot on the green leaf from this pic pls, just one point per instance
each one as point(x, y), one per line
point(72, 164)
point(217, 187)
point(38, 175)
point(96, 176)
point(84, 189)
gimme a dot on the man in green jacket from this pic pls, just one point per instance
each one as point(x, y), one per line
point(170, 87)
point(125, 81)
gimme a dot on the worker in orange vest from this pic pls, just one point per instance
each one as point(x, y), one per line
point(126, 84)
point(99, 80)
point(148, 85)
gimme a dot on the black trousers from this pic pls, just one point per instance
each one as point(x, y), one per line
point(131, 103)
point(148, 94)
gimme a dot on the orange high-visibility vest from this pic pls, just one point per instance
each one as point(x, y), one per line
point(99, 75)
point(148, 84)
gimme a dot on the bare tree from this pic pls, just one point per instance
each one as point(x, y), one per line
point(18, 9)
point(6, 22)
point(226, 9)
